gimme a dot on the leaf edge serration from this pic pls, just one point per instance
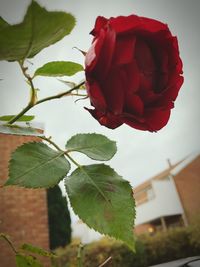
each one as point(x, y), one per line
point(7, 183)
point(97, 230)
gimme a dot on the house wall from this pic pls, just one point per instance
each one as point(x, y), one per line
point(142, 228)
point(23, 212)
point(188, 185)
point(165, 202)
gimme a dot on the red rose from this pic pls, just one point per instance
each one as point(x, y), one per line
point(133, 72)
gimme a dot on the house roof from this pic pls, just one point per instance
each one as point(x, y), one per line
point(173, 169)
point(190, 158)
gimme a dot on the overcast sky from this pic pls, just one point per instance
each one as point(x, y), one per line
point(140, 154)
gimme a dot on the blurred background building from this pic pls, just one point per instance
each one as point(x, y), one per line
point(169, 199)
point(23, 212)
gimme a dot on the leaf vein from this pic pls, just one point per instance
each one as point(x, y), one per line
point(38, 166)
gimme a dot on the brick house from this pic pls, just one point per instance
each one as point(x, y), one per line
point(169, 199)
point(23, 212)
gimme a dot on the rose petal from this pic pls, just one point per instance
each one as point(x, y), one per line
point(124, 24)
point(172, 91)
point(156, 119)
point(144, 56)
point(99, 24)
point(124, 50)
point(135, 124)
point(152, 25)
point(161, 82)
point(133, 77)
point(170, 46)
point(106, 54)
point(109, 120)
point(93, 53)
point(95, 95)
point(134, 104)
point(114, 92)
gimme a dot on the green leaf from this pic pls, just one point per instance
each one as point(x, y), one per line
point(39, 29)
point(27, 261)
point(68, 83)
point(95, 146)
point(18, 130)
point(59, 68)
point(37, 250)
point(3, 23)
point(103, 200)
point(35, 165)
point(22, 118)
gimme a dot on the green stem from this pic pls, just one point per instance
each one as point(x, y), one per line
point(79, 95)
point(76, 163)
point(59, 149)
point(20, 114)
point(51, 142)
point(9, 242)
point(32, 103)
point(32, 98)
point(79, 255)
point(59, 95)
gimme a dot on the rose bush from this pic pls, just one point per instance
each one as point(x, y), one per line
point(133, 72)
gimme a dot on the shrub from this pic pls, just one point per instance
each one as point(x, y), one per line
point(171, 245)
point(194, 231)
point(59, 218)
point(162, 247)
point(97, 252)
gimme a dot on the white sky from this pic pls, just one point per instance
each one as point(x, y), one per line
point(140, 154)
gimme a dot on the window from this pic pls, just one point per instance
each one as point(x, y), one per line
point(150, 193)
point(144, 195)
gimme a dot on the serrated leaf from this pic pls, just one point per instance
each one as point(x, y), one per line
point(39, 29)
point(22, 118)
point(35, 165)
point(59, 69)
point(27, 261)
point(95, 146)
point(103, 200)
point(37, 250)
point(19, 130)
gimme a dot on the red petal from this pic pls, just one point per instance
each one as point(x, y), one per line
point(109, 120)
point(99, 24)
point(153, 26)
point(175, 56)
point(114, 91)
point(144, 56)
point(169, 45)
point(135, 124)
point(174, 86)
point(156, 119)
point(134, 104)
point(93, 53)
point(96, 96)
point(123, 24)
point(133, 77)
point(124, 50)
point(105, 54)
point(153, 121)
